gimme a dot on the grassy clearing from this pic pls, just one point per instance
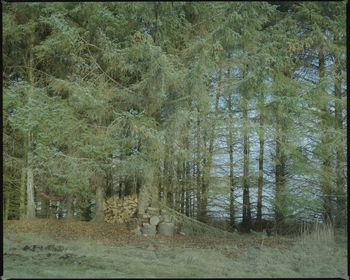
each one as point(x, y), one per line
point(318, 254)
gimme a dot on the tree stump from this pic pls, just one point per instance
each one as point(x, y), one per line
point(148, 229)
point(154, 221)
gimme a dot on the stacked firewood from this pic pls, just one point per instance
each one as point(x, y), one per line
point(120, 210)
point(153, 221)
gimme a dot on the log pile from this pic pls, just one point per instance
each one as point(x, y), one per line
point(153, 221)
point(120, 210)
point(156, 221)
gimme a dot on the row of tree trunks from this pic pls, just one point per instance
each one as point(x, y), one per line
point(208, 154)
point(182, 196)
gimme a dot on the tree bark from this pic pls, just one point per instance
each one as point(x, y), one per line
point(230, 151)
point(168, 195)
point(186, 190)
point(30, 180)
point(177, 187)
point(6, 206)
point(246, 223)
point(22, 194)
point(340, 218)
point(280, 175)
point(198, 168)
point(326, 184)
point(30, 177)
point(182, 198)
point(99, 214)
point(261, 164)
point(98, 181)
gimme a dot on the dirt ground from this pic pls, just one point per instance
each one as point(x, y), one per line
point(62, 249)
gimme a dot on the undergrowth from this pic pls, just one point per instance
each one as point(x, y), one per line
point(315, 253)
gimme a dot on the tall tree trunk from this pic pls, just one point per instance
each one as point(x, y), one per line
point(281, 162)
point(30, 180)
point(99, 181)
point(326, 184)
point(168, 175)
point(230, 151)
point(160, 183)
point(30, 176)
point(186, 190)
point(261, 165)
point(6, 206)
point(198, 169)
point(340, 218)
point(99, 198)
point(280, 175)
point(22, 195)
point(109, 183)
point(187, 202)
point(183, 191)
point(177, 186)
point(246, 223)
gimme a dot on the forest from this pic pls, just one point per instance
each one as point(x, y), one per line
point(231, 114)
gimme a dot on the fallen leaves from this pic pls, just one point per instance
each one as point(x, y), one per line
point(118, 234)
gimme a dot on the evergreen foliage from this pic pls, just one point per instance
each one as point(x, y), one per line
point(187, 103)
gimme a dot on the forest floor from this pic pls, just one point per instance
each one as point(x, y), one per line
point(71, 249)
